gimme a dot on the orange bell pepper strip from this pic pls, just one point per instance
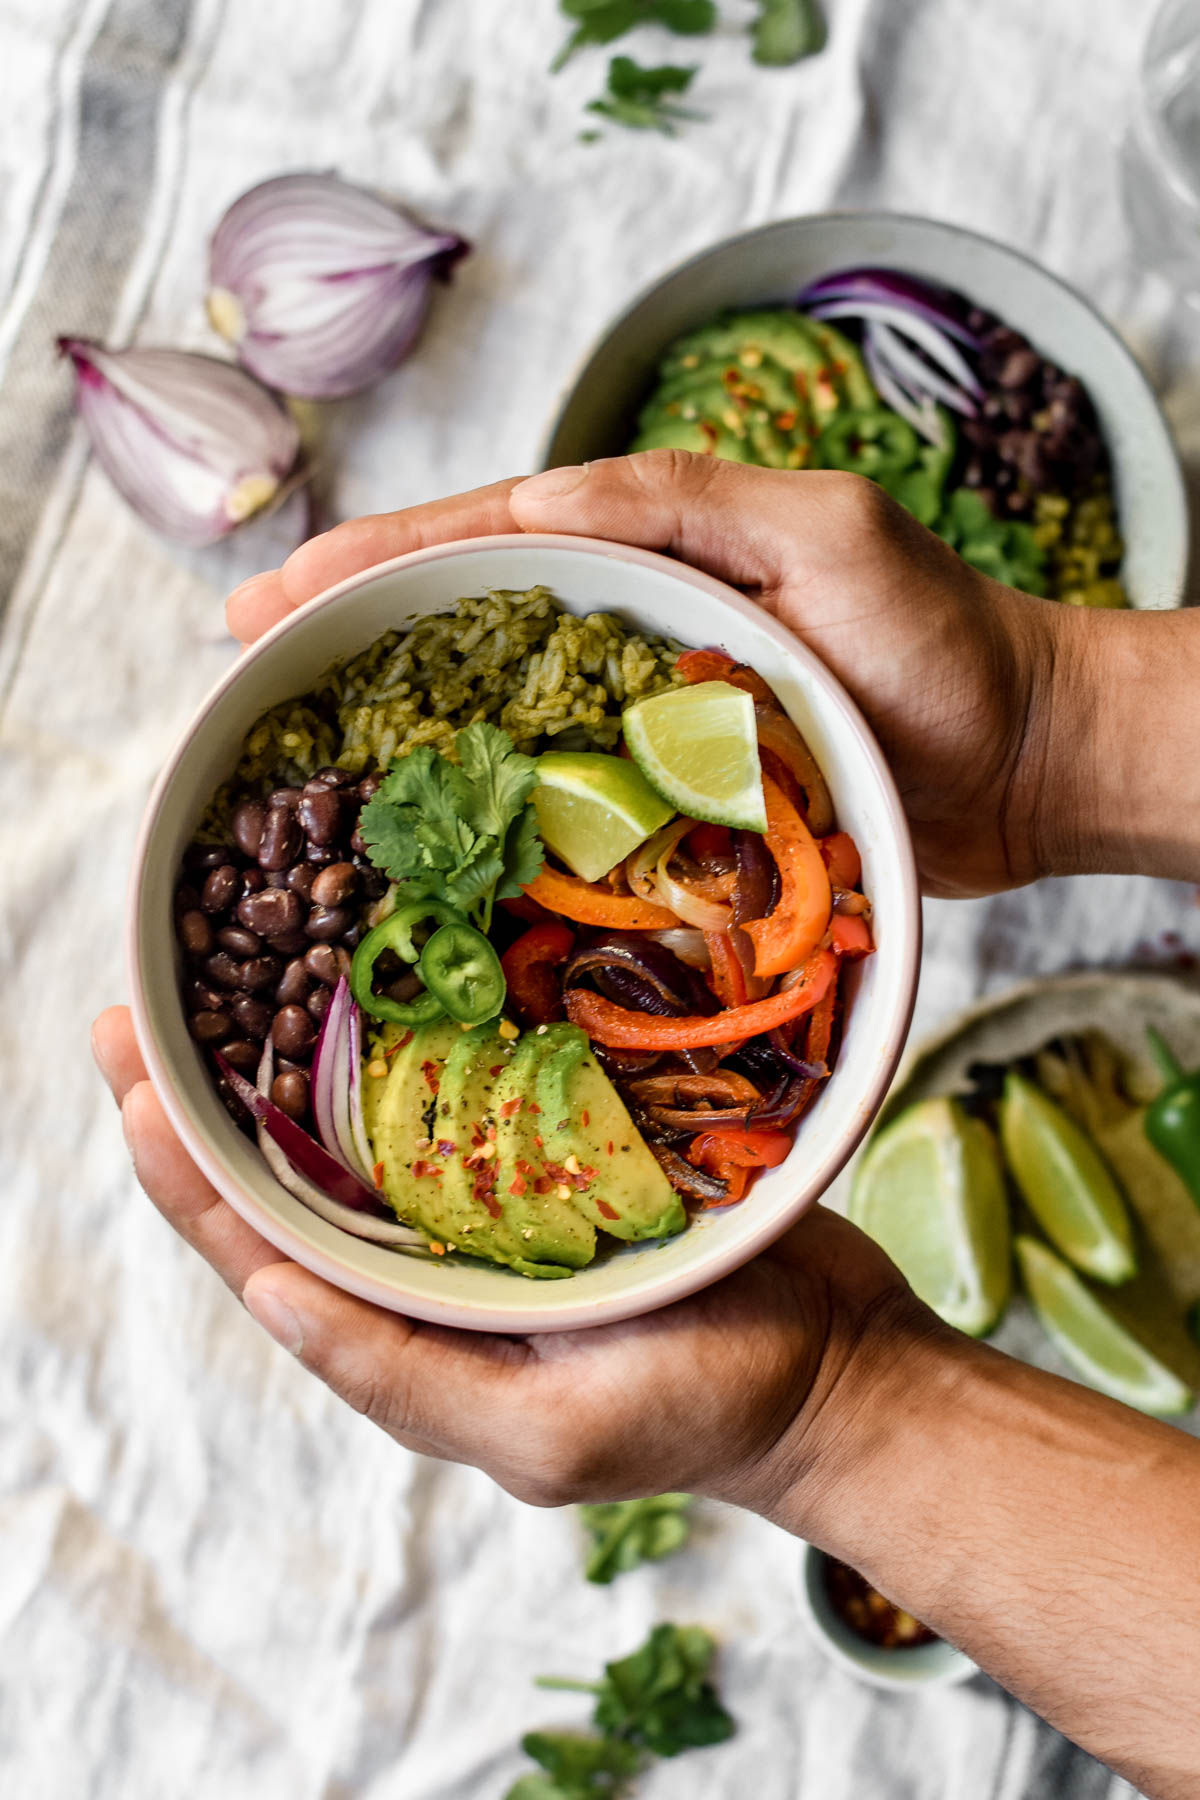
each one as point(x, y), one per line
point(728, 975)
point(850, 936)
point(842, 859)
point(718, 665)
point(622, 1029)
point(588, 905)
point(792, 932)
point(732, 1147)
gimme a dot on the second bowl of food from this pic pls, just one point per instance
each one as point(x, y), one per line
point(524, 933)
point(984, 393)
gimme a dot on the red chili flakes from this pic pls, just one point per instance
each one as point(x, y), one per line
point(438, 1249)
point(557, 1171)
point(490, 1133)
point(433, 1079)
point(606, 1211)
point(484, 1190)
point(785, 420)
point(542, 1185)
point(540, 1141)
point(525, 1168)
point(421, 1168)
point(446, 1146)
point(401, 1043)
point(377, 1175)
point(495, 1070)
point(517, 1185)
point(534, 1107)
point(610, 1146)
point(585, 1118)
point(509, 1108)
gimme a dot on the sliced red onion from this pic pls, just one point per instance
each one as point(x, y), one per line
point(685, 942)
point(940, 306)
point(922, 415)
point(931, 338)
point(336, 1084)
point(322, 286)
point(300, 1165)
point(194, 445)
point(916, 372)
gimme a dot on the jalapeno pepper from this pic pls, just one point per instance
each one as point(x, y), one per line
point(462, 972)
point(1172, 1122)
point(396, 934)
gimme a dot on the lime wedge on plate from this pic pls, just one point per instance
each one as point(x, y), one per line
point(930, 1191)
point(593, 810)
point(699, 747)
point(1066, 1182)
point(1090, 1338)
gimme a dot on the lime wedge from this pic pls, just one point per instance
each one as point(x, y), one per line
point(1066, 1182)
point(1090, 1338)
point(592, 810)
point(699, 746)
point(930, 1191)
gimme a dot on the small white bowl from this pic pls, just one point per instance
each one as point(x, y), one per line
point(654, 594)
point(922, 1666)
point(769, 266)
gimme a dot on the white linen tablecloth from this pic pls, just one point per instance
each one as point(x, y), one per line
point(215, 1580)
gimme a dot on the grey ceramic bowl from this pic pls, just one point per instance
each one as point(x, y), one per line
point(769, 266)
point(901, 1671)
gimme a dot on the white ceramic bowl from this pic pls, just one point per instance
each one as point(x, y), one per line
point(770, 265)
point(900, 1671)
point(655, 594)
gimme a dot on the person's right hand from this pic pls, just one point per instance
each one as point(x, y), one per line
point(952, 670)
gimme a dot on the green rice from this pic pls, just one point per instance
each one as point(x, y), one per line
point(515, 659)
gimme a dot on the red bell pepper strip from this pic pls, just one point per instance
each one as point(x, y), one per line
point(709, 840)
point(850, 936)
point(789, 935)
point(588, 905)
point(529, 965)
point(728, 975)
point(842, 859)
point(621, 1029)
point(730, 1147)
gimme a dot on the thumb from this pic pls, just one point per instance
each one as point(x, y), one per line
point(745, 525)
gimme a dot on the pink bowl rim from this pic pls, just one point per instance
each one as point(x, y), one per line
point(550, 1313)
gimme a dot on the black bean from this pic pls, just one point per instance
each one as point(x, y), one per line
point(290, 1093)
point(327, 964)
point(251, 1016)
point(288, 797)
point(204, 856)
point(317, 856)
point(320, 814)
point(209, 1027)
point(293, 983)
point(331, 777)
point(253, 881)
point(277, 878)
point(195, 933)
point(374, 881)
point(293, 1032)
point(244, 1056)
point(299, 878)
point(327, 922)
point(223, 970)
point(187, 899)
point(258, 973)
point(354, 937)
point(238, 941)
point(335, 884)
point(358, 842)
point(199, 997)
point(247, 826)
point(1019, 367)
point(318, 1003)
point(288, 943)
point(369, 786)
point(273, 911)
point(220, 888)
point(281, 839)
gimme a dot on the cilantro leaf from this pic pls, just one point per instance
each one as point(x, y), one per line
point(577, 1767)
point(625, 1533)
point(1006, 549)
point(603, 21)
point(639, 97)
point(499, 779)
point(523, 855)
point(786, 31)
point(660, 1695)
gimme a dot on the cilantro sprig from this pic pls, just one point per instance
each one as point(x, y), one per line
point(462, 832)
point(577, 1767)
point(644, 98)
point(603, 21)
point(625, 1533)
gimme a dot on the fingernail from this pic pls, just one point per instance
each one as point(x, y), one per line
point(276, 1318)
point(552, 484)
point(243, 587)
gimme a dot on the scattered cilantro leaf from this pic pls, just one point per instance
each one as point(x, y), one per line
point(1006, 549)
point(661, 1697)
point(603, 21)
point(625, 1533)
point(457, 831)
point(577, 1767)
point(787, 31)
point(640, 98)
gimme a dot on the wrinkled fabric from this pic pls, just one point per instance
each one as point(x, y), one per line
point(215, 1580)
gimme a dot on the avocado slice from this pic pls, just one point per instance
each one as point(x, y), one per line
point(592, 1145)
point(399, 1120)
point(382, 1047)
point(692, 434)
point(546, 1224)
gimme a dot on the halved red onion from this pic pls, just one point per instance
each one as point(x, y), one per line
point(336, 1084)
point(322, 286)
point(307, 1171)
point(193, 444)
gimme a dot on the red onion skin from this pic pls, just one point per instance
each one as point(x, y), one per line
point(940, 305)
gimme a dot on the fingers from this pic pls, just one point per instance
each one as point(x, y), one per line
point(742, 524)
point(447, 1392)
point(116, 1052)
point(256, 605)
point(183, 1196)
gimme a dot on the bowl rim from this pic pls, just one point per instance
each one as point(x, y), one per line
point(551, 1313)
point(870, 216)
point(945, 1665)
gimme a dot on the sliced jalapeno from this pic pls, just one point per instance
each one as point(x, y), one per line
point(462, 971)
point(396, 934)
point(874, 443)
